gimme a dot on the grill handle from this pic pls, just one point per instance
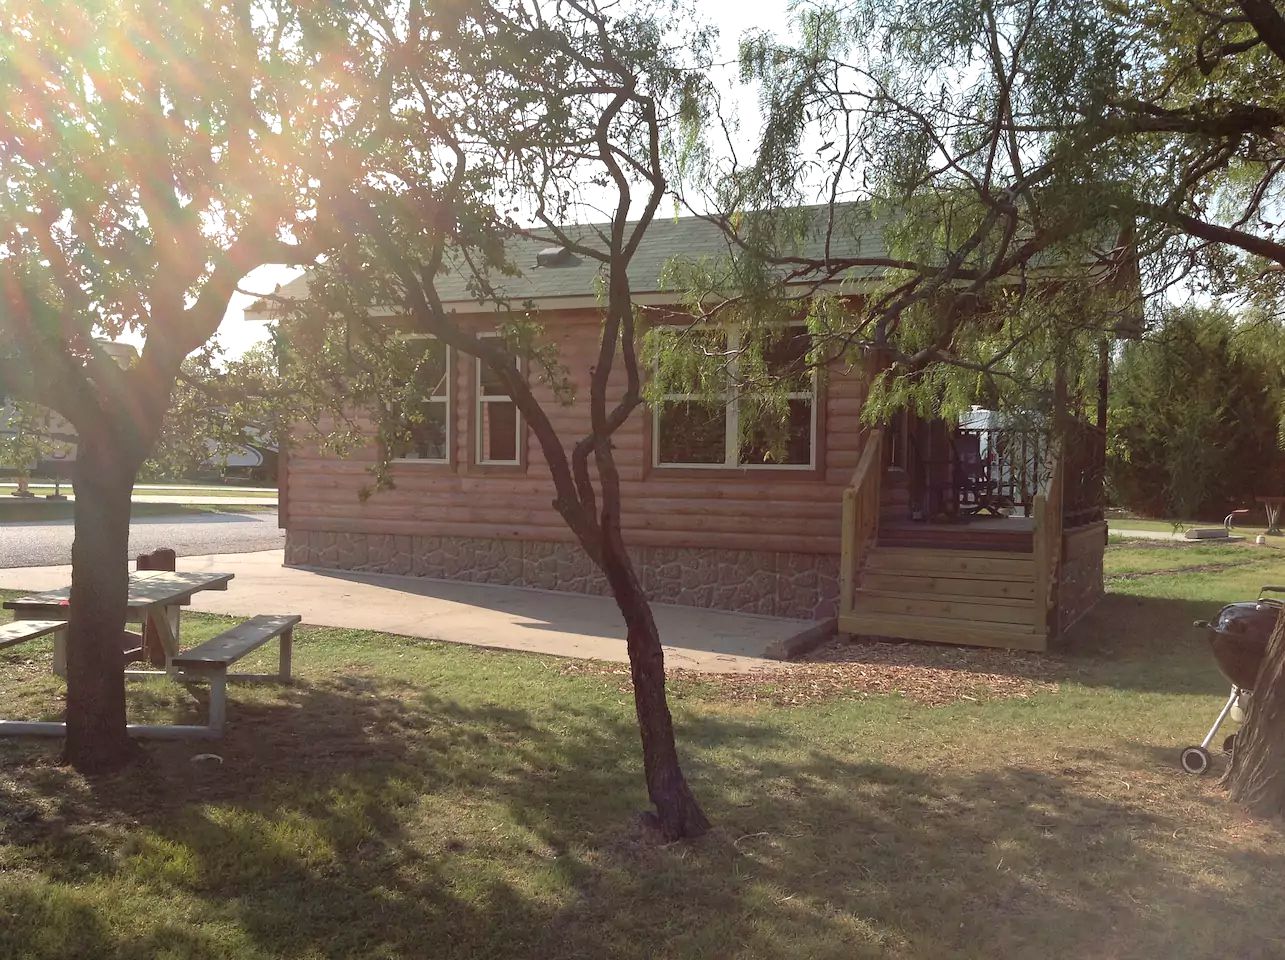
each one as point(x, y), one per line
point(1270, 589)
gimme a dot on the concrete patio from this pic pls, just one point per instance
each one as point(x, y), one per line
point(510, 618)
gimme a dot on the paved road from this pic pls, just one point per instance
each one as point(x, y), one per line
point(39, 544)
point(189, 500)
point(204, 490)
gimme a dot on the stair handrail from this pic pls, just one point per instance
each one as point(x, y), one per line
point(1047, 540)
point(860, 516)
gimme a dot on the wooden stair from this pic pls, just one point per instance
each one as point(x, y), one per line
point(948, 595)
point(966, 537)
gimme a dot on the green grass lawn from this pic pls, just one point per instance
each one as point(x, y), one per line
point(44, 511)
point(411, 799)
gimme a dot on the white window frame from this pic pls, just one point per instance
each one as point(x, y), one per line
point(481, 398)
point(445, 399)
point(732, 429)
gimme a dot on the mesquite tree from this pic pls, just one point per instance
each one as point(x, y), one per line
point(897, 198)
point(1197, 132)
point(996, 139)
point(554, 111)
point(1216, 103)
point(151, 157)
point(989, 143)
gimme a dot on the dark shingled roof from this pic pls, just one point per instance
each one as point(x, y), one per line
point(854, 233)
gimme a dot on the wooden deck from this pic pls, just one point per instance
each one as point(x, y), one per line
point(982, 581)
point(982, 598)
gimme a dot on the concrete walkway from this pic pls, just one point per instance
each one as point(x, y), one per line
point(1147, 534)
point(179, 500)
point(511, 618)
point(1236, 536)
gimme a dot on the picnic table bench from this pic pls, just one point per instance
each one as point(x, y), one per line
point(20, 631)
point(210, 660)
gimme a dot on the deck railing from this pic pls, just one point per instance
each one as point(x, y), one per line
point(1084, 470)
point(1014, 463)
point(861, 506)
point(1047, 512)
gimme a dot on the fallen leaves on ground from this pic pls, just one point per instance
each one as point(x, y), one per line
point(928, 675)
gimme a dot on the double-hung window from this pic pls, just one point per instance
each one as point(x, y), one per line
point(499, 423)
point(725, 426)
point(423, 416)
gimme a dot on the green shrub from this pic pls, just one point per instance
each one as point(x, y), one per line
point(1195, 415)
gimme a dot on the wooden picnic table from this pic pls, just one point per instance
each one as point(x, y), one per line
point(155, 598)
point(1273, 507)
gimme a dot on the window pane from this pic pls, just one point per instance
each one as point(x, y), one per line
point(424, 434)
point(695, 361)
point(492, 385)
point(691, 433)
point(499, 431)
point(788, 442)
point(786, 354)
point(430, 373)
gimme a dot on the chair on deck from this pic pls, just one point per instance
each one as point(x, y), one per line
point(977, 490)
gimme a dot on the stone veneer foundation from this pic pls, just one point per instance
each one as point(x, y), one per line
point(800, 585)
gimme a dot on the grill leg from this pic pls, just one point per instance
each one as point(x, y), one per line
point(1213, 731)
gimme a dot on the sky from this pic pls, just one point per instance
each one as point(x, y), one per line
point(731, 17)
point(236, 333)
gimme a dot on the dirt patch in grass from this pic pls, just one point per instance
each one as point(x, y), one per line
point(933, 675)
point(1191, 568)
point(841, 669)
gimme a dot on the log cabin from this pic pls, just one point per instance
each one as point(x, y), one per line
point(967, 533)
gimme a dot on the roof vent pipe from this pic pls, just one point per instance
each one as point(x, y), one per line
point(554, 257)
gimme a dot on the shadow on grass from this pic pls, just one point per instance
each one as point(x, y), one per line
point(590, 615)
point(1146, 644)
point(368, 817)
point(1126, 643)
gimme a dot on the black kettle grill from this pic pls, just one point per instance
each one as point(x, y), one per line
point(1238, 638)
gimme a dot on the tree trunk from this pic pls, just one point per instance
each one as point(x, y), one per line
point(97, 741)
point(678, 815)
point(1258, 761)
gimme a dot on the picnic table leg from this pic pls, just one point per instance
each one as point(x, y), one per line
point(162, 559)
point(1273, 517)
point(153, 649)
point(218, 701)
point(161, 621)
point(160, 647)
point(287, 649)
point(60, 653)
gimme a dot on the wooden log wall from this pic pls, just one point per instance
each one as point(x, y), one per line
point(744, 509)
